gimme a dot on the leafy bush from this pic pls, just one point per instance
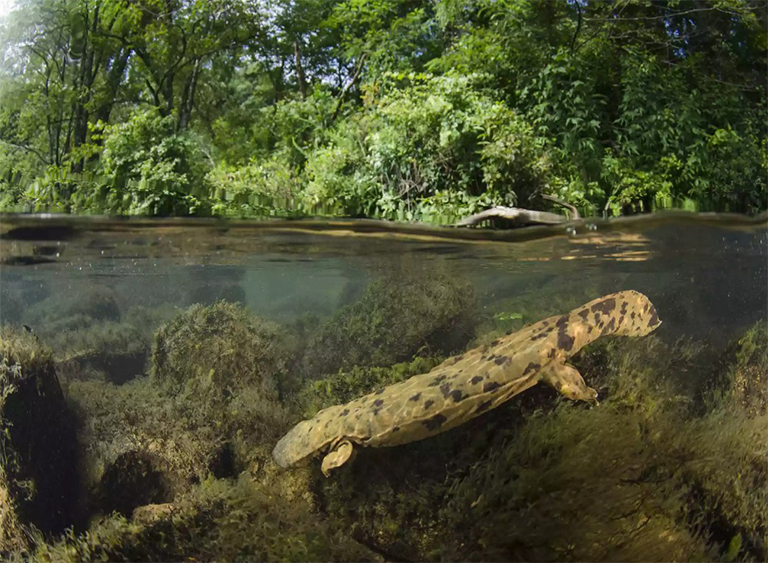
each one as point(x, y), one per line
point(423, 135)
point(150, 168)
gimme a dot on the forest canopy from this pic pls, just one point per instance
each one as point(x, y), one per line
point(394, 109)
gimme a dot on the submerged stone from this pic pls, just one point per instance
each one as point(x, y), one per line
point(39, 485)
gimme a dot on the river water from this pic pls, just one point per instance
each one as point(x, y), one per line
point(706, 274)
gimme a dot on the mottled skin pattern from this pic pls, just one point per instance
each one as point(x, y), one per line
point(470, 384)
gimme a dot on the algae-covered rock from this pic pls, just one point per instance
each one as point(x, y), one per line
point(399, 315)
point(219, 347)
point(210, 408)
point(39, 485)
point(144, 446)
point(748, 376)
point(107, 350)
point(66, 309)
point(216, 521)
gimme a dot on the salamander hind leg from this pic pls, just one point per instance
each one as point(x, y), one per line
point(568, 382)
point(341, 453)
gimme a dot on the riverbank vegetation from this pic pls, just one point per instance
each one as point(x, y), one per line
point(399, 110)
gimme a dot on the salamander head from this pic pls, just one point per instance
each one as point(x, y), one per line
point(636, 315)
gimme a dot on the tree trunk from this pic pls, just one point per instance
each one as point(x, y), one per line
point(299, 69)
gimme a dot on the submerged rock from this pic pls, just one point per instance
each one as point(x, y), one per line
point(71, 309)
point(39, 484)
point(219, 347)
point(215, 521)
point(115, 352)
point(398, 316)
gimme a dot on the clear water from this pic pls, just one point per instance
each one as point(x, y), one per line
point(707, 276)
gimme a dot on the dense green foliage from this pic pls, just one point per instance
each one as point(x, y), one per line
point(401, 110)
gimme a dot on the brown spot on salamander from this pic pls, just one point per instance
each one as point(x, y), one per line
point(551, 353)
point(605, 306)
point(609, 328)
point(378, 402)
point(437, 381)
point(428, 403)
point(564, 340)
point(435, 422)
point(484, 405)
point(415, 397)
point(491, 386)
point(530, 368)
point(584, 314)
point(445, 389)
point(501, 360)
point(496, 342)
point(654, 320)
point(475, 380)
point(396, 429)
point(623, 308)
point(345, 412)
point(457, 395)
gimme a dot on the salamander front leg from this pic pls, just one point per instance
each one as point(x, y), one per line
point(568, 382)
point(341, 453)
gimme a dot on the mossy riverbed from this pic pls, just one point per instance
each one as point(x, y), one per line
point(146, 435)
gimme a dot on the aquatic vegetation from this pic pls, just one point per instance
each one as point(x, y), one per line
point(210, 407)
point(344, 386)
point(107, 350)
point(83, 304)
point(220, 346)
point(746, 380)
point(216, 521)
point(39, 484)
point(404, 313)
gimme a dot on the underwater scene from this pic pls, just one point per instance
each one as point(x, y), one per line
point(200, 390)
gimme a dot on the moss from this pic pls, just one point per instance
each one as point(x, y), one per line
point(407, 312)
point(746, 381)
point(210, 408)
point(39, 484)
point(135, 431)
point(66, 309)
point(218, 520)
point(345, 386)
point(725, 472)
point(219, 347)
point(112, 351)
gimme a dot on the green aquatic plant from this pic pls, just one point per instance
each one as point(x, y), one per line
point(217, 520)
point(220, 346)
point(406, 312)
point(745, 379)
point(39, 484)
point(210, 407)
point(345, 386)
point(65, 310)
point(107, 350)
